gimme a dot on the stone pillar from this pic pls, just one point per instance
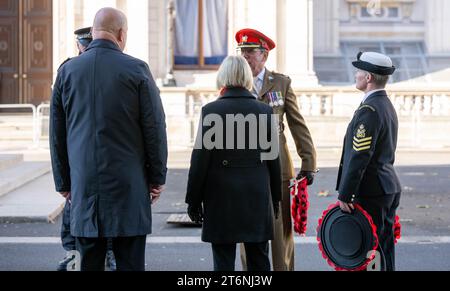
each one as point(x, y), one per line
point(138, 30)
point(64, 45)
point(296, 19)
point(256, 14)
point(437, 35)
point(169, 80)
point(326, 27)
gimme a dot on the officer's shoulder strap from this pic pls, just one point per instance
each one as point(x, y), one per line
point(366, 106)
point(279, 75)
point(63, 63)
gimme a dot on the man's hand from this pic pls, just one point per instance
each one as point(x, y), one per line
point(346, 207)
point(66, 195)
point(195, 213)
point(155, 192)
point(309, 175)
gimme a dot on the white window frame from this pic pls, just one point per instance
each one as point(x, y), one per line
point(385, 17)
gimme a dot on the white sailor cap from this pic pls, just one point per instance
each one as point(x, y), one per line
point(375, 63)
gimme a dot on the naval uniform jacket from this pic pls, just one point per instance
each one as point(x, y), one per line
point(367, 163)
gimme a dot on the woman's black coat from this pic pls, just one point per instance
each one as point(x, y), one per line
point(237, 189)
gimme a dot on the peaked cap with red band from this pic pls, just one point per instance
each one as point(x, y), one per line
point(251, 38)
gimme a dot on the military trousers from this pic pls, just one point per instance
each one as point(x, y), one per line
point(282, 245)
point(383, 211)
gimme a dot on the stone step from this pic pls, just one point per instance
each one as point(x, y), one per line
point(36, 201)
point(20, 174)
point(16, 125)
point(8, 161)
point(16, 135)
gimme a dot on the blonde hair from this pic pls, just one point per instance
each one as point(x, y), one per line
point(235, 72)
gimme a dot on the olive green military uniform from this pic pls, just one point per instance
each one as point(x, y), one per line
point(277, 92)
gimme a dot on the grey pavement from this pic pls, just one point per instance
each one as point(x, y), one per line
point(425, 211)
point(198, 257)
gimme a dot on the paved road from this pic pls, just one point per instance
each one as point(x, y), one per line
point(425, 213)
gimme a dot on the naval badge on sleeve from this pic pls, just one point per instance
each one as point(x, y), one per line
point(361, 133)
point(362, 142)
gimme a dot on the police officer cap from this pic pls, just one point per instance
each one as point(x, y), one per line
point(84, 35)
point(375, 63)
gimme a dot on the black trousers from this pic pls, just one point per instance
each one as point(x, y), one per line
point(128, 251)
point(68, 241)
point(257, 254)
point(383, 212)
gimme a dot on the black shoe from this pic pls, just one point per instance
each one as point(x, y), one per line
point(62, 265)
point(110, 261)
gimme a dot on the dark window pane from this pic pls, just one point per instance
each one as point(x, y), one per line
point(416, 73)
point(320, 63)
point(397, 62)
point(400, 75)
point(414, 63)
point(365, 13)
point(393, 12)
point(393, 50)
point(333, 76)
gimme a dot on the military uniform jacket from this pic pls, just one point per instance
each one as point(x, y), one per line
point(367, 164)
point(236, 188)
point(277, 93)
point(108, 141)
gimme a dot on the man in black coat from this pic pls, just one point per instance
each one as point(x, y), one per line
point(84, 39)
point(367, 175)
point(108, 146)
point(236, 185)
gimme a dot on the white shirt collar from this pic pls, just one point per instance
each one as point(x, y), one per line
point(261, 75)
point(370, 93)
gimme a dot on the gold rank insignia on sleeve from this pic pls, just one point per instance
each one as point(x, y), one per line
point(360, 141)
point(368, 107)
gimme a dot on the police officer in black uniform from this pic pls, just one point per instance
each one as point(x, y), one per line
point(84, 38)
point(366, 174)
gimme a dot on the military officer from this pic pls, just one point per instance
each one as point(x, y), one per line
point(367, 175)
point(84, 38)
point(275, 89)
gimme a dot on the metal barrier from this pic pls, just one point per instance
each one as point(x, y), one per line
point(33, 109)
point(40, 117)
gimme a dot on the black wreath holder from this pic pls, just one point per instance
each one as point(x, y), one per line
point(347, 240)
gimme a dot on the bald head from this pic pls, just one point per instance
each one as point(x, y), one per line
point(111, 24)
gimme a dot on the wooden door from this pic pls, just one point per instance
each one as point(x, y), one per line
point(25, 51)
point(9, 51)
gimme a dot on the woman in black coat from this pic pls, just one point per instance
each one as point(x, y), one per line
point(233, 188)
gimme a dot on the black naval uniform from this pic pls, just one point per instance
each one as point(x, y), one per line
point(366, 174)
point(68, 241)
